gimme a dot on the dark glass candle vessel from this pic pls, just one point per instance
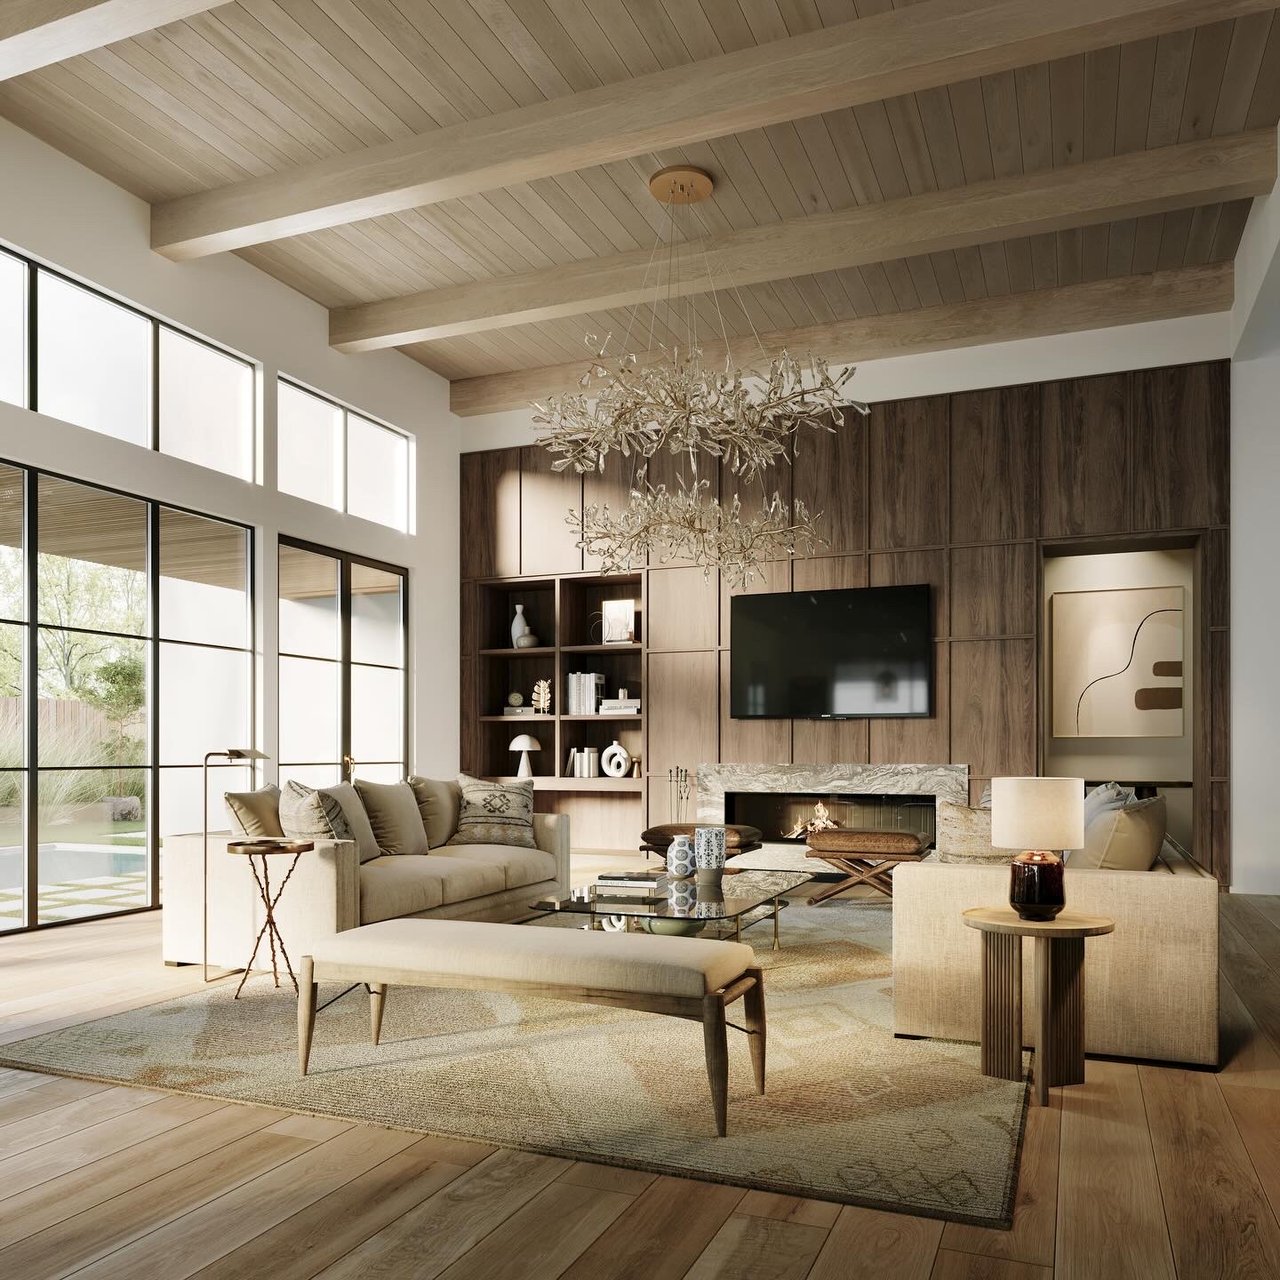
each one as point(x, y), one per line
point(1036, 889)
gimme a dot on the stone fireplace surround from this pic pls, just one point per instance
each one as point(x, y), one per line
point(946, 783)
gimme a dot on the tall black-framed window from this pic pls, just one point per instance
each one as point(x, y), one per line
point(73, 352)
point(125, 653)
point(343, 678)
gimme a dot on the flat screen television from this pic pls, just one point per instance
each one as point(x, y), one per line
point(831, 655)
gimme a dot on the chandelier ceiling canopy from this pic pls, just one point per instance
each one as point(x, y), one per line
point(744, 421)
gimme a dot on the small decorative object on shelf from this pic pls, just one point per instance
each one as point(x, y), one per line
point(635, 767)
point(515, 698)
point(527, 641)
point(519, 626)
point(619, 621)
point(680, 860)
point(708, 853)
point(1037, 815)
point(525, 743)
point(615, 760)
point(542, 697)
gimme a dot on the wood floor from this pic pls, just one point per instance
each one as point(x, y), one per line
point(1142, 1171)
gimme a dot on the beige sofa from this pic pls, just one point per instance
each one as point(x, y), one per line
point(331, 890)
point(1151, 987)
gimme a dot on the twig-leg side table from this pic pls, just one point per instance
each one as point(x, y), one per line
point(1059, 979)
point(265, 849)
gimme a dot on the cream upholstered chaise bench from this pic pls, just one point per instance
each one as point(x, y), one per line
point(684, 977)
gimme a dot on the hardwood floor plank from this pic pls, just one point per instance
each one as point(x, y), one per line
point(54, 1091)
point(873, 1245)
point(427, 1239)
point(200, 1236)
point(969, 1266)
point(1110, 1216)
point(93, 1108)
point(14, 1081)
point(1035, 1211)
point(810, 1213)
point(1257, 930)
point(1254, 981)
point(330, 1228)
point(142, 1212)
point(754, 1248)
point(154, 1154)
point(607, 1177)
point(523, 1249)
point(661, 1234)
point(1220, 1222)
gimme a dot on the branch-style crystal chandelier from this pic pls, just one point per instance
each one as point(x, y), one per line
point(745, 421)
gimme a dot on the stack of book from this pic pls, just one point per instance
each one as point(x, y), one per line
point(638, 887)
point(619, 706)
point(585, 689)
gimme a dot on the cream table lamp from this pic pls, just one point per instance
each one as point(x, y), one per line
point(1038, 816)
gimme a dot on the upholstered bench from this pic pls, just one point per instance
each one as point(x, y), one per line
point(685, 977)
point(738, 837)
point(866, 857)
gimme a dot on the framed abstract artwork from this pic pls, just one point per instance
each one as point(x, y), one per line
point(1116, 658)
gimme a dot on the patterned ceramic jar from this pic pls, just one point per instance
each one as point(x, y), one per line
point(682, 897)
point(680, 861)
point(708, 852)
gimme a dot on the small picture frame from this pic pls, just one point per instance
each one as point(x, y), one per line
point(619, 621)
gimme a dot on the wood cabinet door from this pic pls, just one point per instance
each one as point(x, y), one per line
point(994, 447)
point(1085, 456)
point(548, 542)
point(907, 473)
point(489, 513)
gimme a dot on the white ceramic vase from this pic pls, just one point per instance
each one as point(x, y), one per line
point(680, 860)
point(519, 626)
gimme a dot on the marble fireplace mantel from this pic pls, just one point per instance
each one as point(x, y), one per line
point(942, 781)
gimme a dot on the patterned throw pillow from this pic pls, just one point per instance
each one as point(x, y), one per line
point(308, 814)
point(495, 813)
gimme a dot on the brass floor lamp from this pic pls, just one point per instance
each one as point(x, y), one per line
point(230, 755)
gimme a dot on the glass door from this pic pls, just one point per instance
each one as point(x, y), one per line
point(343, 685)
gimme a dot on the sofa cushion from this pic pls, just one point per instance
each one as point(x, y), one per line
point(255, 813)
point(392, 887)
point(330, 813)
point(495, 813)
point(1126, 839)
point(438, 803)
point(519, 866)
point(393, 814)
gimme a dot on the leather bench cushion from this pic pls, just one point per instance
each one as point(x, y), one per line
point(519, 867)
point(638, 964)
point(735, 834)
point(403, 884)
point(868, 842)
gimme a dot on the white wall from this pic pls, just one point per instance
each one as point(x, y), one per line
point(54, 209)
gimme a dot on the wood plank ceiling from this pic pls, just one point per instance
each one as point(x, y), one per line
point(260, 86)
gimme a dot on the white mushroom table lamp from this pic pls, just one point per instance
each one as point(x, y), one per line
point(525, 743)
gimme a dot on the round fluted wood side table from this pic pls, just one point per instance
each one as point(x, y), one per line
point(1059, 980)
point(264, 849)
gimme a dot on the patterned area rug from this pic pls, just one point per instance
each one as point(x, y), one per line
point(851, 1114)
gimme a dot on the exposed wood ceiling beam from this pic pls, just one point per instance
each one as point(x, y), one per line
point(897, 52)
point(1126, 186)
point(36, 33)
point(1099, 304)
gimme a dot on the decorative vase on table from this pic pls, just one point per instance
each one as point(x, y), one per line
point(680, 859)
point(708, 853)
point(519, 626)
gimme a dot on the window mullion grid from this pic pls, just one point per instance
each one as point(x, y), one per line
point(153, 719)
point(31, 705)
point(32, 362)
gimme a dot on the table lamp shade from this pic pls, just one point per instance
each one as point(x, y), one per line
point(525, 742)
point(1037, 813)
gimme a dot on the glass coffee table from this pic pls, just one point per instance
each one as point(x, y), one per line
point(678, 907)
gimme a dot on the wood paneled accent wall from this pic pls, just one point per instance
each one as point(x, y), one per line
point(966, 492)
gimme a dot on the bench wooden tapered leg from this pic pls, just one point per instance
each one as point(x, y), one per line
point(306, 1012)
point(753, 1010)
point(717, 1046)
point(377, 998)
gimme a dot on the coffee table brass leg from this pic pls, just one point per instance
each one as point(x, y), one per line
point(776, 944)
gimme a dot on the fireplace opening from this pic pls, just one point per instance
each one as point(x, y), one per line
point(785, 817)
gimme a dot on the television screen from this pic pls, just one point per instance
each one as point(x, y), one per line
point(817, 655)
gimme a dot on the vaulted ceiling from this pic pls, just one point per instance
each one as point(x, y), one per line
point(365, 151)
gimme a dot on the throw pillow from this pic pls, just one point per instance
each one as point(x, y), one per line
point(438, 804)
point(255, 813)
point(393, 815)
point(329, 813)
point(1125, 839)
point(495, 813)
